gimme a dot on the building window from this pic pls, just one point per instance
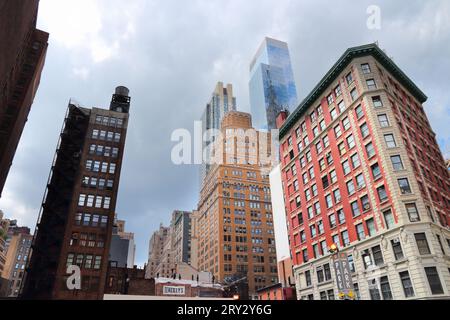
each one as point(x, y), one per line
point(310, 213)
point(316, 251)
point(345, 238)
point(305, 255)
point(390, 141)
point(433, 280)
point(371, 85)
point(376, 171)
point(413, 213)
point(355, 161)
point(322, 125)
point(332, 220)
point(90, 201)
point(350, 187)
point(341, 106)
point(383, 120)
point(325, 182)
point(389, 219)
point(365, 203)
point(405, 188)
point(330, 294)
point(313, 231)
point(351, 263)
point(366, 68)
point(70, 259)
point(359, 112)
point(360, 232)
point(407, 284)
point(320, 227)
point(338, 91)
point(354, 94)
point(422, 243)
point(440, 244)
point(397, 249)
point(333, 176)
point(333, 114)
point(346, 124)
point(377, 256)
point(351, 142)
point(336, 240)
point(78, 219)
point(81, 200)
point(308, 278)
point(337, 195)
point(98, 202)
point(370, 150)
point(349, 78)
point(330, 99)
point(360, 182)
point(97, 262)
point(341, 148)
point(88, 262)
point(357, 293)
point(377, 102)
point(365, 130)
point(370, 223)
point(397, 163)
point(374, 291)
point(346, 167)
point(329, 201)
point(382, 194)
point(341, 216)
point(385, 288)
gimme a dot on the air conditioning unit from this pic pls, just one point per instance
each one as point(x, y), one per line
point(396, 240)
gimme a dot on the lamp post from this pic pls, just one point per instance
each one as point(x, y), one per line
point(343, 273)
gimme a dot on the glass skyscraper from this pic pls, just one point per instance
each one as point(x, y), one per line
point(272, 85)
point(222, 101)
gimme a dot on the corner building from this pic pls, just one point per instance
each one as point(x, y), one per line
point(77, 215)
point(235, 224)
point(361, 168)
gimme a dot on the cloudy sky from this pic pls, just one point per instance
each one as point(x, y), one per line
point(171, 54)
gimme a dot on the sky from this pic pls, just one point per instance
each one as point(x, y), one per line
point(171, 54)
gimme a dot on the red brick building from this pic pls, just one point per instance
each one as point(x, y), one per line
point(276, 292)
point(22, 56)
point(361, 168)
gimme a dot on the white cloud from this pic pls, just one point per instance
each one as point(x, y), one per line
point(81, 72)
point(83, 26)
point(16, 208)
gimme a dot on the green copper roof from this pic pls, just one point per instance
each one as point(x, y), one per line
point(341, 64)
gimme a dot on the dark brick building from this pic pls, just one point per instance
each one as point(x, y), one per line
point(75, 223)
point(22, 56)
point(129, 282)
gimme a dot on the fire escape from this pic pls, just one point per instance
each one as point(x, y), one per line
point(41, 272)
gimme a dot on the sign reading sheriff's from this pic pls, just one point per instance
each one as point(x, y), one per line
point(173, 291)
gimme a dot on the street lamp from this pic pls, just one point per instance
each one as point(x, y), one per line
point(333, 249)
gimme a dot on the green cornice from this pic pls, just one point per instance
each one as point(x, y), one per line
point(340, 65)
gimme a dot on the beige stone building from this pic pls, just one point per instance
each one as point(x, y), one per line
point(194, 238)
point(16, 259)
point(235, 224)
point(157, 249)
